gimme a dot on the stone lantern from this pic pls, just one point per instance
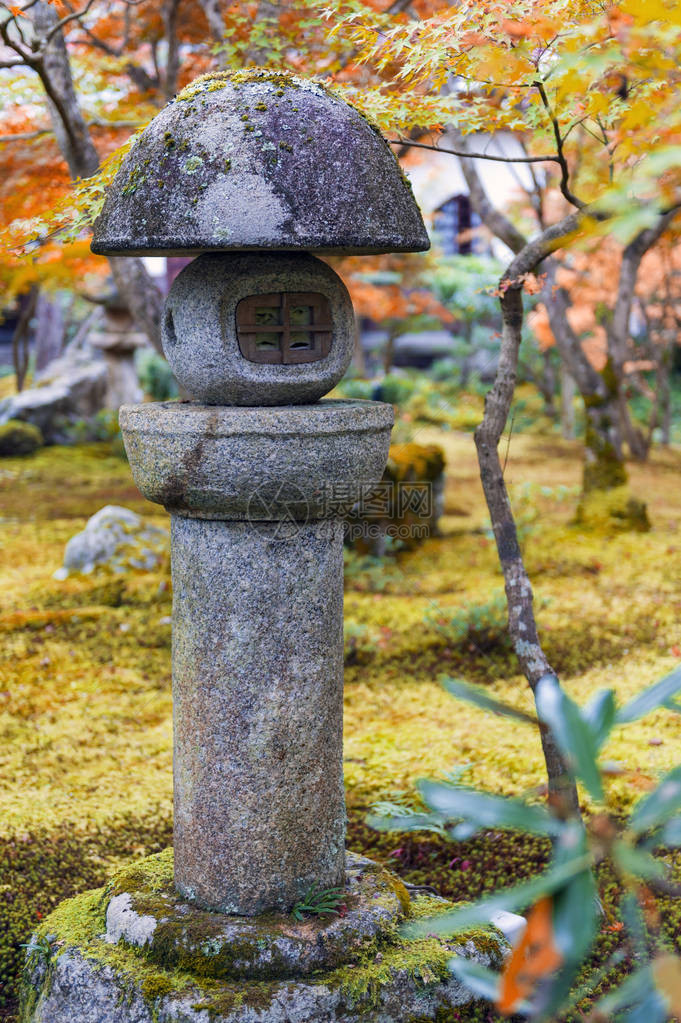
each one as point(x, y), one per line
point(253, 172)
point(118, 340)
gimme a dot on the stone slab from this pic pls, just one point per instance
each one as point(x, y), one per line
point(285, 463)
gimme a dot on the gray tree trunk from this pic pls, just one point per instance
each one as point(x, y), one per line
point(49, 330)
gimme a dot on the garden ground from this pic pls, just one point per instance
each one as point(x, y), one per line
point(85, 705)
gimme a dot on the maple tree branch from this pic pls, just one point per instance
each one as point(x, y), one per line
point(27, 57)
point(494, 219)
point(564, 169)
point(475, 156)
point(25, 136)
point(59, 25)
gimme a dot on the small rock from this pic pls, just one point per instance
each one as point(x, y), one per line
point(117, 538)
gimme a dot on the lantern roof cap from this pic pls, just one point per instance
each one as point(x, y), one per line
point(258, 159)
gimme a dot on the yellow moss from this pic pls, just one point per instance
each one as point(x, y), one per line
point(85, 701)
point(611, 510)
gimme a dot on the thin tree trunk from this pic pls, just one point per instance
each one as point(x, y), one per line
point(49, 331)
point(216, 24)
point(389, 353)
point(519, 596)
point(170, 12)
point(358, 359)
point(568, 390)
point(21, 336)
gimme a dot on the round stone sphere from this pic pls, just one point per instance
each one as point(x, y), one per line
point(266, 328)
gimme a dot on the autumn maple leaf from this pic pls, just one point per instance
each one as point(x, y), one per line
point(534, 956)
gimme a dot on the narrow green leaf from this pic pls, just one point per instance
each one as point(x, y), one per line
point(406, 822)
point(651, 1010)
point(572, 733)
point(660, 805)
point(478, 696)
point(486, 810)
point(671, 833)
point(600, 714)
point(511, 899)
point(575, 917)
point(638, 862)
point(479, 979)
point(658, 695)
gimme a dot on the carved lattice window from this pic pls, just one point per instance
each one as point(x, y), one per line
point(286, 328)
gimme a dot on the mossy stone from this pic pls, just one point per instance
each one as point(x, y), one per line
point(73, 973)
point(319, 178)
point(144, 910)
point(17, 438)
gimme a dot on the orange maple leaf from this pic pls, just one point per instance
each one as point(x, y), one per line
point(517, 29)
point(16, 12)
point(533, 957)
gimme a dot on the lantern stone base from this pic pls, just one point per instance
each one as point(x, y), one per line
point(136, 952)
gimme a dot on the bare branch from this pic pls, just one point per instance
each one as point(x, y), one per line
point(27, 57)
point(25, 136)
point(475, 156)
point(631, 261)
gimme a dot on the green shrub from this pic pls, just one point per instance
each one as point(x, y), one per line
point(356, 387)
point(17, 438)
point(155, 375)
point(566, 914)
point(484, 626)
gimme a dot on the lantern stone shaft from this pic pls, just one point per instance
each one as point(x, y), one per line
point(256, 497)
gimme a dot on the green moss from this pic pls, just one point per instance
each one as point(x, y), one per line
point(220, 79)
point(192, 164)
point(286, 146)
point(79, 923)
point(135, 179)
point(153, 874)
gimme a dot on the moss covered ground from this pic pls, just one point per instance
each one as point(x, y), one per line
point(85, 706)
